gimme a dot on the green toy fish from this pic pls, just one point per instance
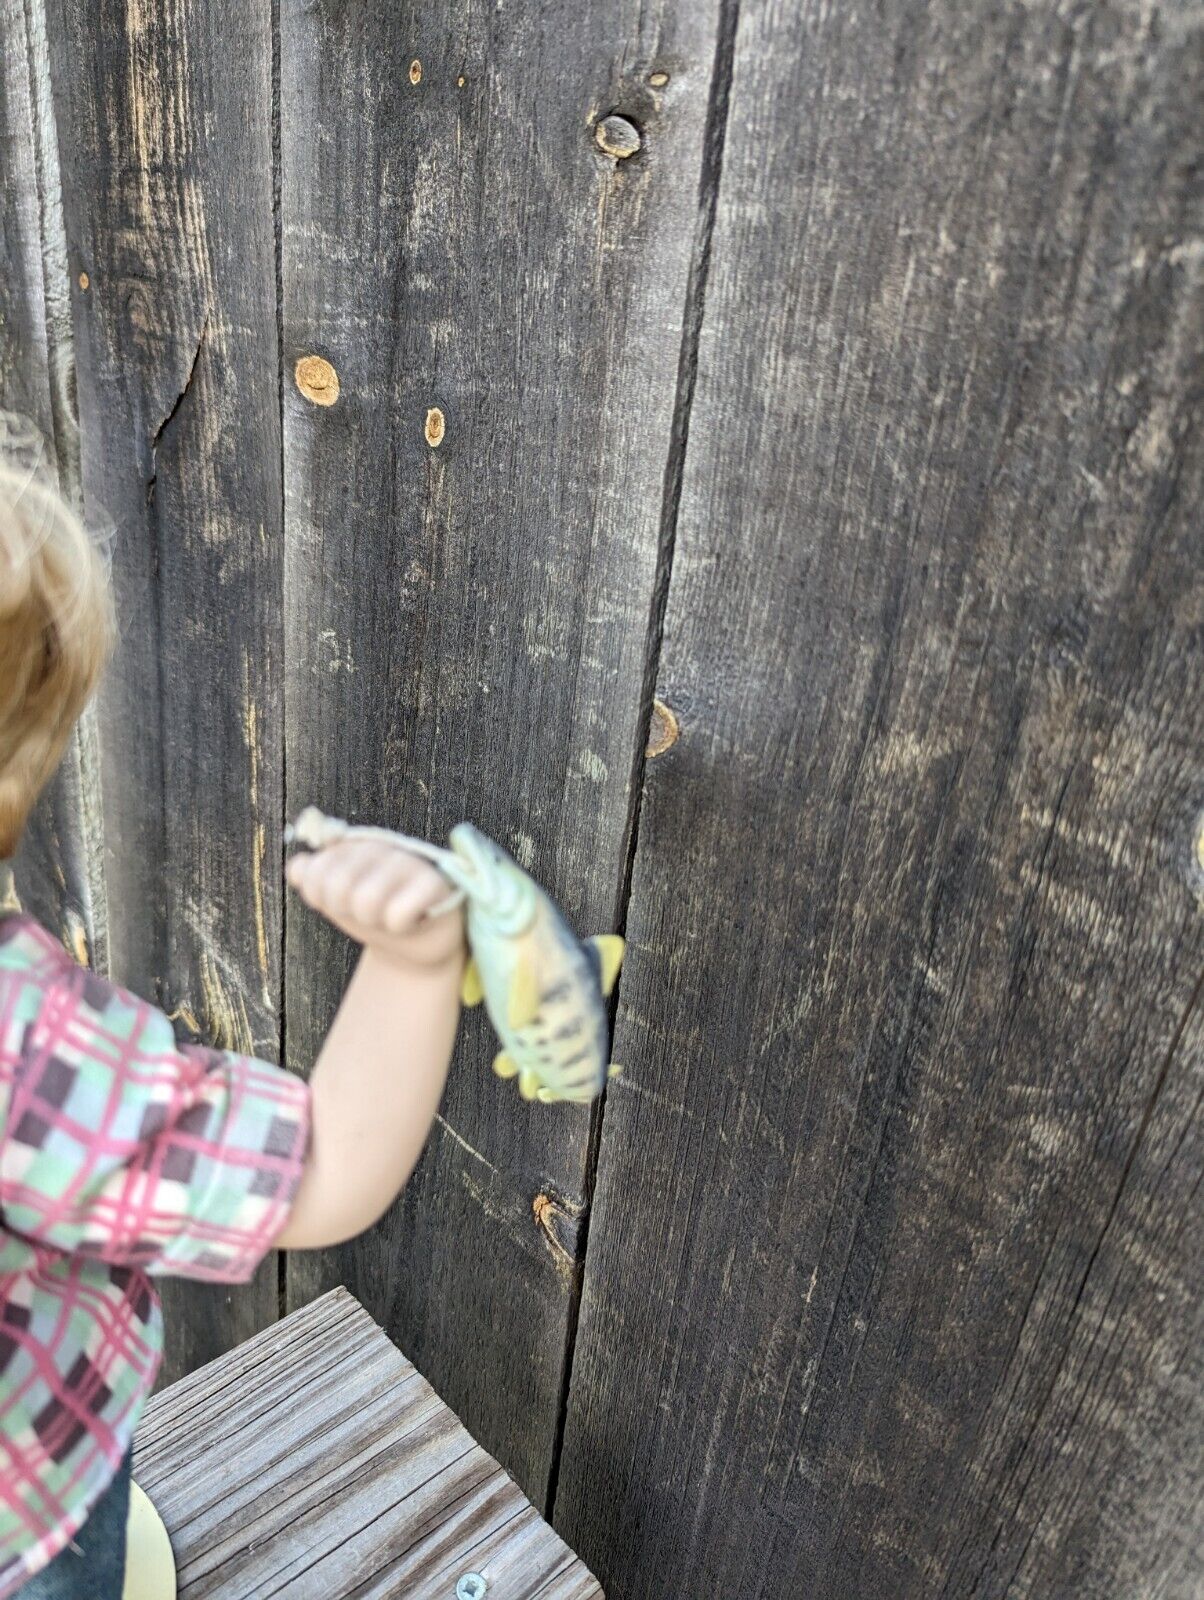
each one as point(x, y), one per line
point(545, 991)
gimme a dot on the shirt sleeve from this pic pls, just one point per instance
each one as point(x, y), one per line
point(122, 1145)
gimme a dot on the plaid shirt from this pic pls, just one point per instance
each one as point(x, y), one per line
point(122, 1154)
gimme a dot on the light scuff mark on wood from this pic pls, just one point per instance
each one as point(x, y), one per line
point(10, 900)
point(259, 831)
point(317, 380)
point(226, 1020)
point(663, 730)
point(463, 1144)
point(434, 427)
point(616, 136)
point(185, 1014)
point(76, 936)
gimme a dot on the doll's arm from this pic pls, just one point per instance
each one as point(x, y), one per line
point(380, 1073)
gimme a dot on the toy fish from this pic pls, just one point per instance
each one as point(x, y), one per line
point(545, 991)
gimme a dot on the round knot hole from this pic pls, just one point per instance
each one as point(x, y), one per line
point(617, 137)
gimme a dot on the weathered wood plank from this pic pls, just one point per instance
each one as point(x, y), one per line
point(165, 128)
point(56, 872)
point(315, 1461)
point(893, 1282)
point(467, 594)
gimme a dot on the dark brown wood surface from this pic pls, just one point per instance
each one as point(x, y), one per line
point(314, 1462)
point(165, 129)
point(473, 533)
point(57, 872)
point(894, 1275)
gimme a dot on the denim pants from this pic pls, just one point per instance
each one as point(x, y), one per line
point(95, 1568)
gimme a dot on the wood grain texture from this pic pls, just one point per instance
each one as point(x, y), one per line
point(314, 1462)
point(472, 532)
point(893, 1284)
point(166, 138)
point(57, 871)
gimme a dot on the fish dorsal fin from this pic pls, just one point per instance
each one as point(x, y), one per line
point(609, 949)
point(472, 991)
point(524, 994)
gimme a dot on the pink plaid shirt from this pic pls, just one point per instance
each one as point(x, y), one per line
point(122, 1154)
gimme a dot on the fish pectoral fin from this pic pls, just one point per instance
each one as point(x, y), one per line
point(610, 949)
point(524, 995)
point(472, 991)
point(528, 1084)
point(505, 1066)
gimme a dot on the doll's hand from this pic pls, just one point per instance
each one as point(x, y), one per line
point(380, 896)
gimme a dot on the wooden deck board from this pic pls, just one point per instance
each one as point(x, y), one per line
point(315, 1461)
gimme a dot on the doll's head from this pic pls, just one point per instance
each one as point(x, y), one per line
point(56, 627)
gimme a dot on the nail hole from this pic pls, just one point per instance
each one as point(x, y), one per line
point(317, 380)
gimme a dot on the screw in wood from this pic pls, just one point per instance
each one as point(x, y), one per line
point(617, 137)
point(471, 1587)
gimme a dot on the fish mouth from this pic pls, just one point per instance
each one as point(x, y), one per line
point(474, 852)
point(496, 885)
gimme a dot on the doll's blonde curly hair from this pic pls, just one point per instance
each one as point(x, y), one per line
point(56, 623)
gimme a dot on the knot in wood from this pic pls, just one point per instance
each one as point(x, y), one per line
point(663, 730)
point(617, 137)
point(415, 70)
point(317, 380)
point(435, 427)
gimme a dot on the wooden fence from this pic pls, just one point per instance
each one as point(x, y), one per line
point(831, 373)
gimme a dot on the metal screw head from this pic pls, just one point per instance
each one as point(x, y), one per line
point(471, 1587)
